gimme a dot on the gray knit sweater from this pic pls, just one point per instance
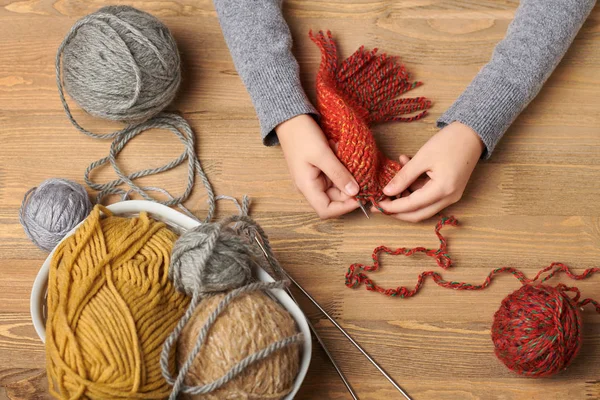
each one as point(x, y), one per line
point(538, 37)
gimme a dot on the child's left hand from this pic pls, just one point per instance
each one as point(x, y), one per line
point(437, 175)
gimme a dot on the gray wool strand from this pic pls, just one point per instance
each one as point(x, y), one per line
point(188, 273)
point(123, 64)
point(181, 129)
point(52, 209)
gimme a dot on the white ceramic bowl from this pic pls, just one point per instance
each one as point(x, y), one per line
point(181, 223)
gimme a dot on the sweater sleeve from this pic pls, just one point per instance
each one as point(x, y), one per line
point(260, 43)
point(535, 42)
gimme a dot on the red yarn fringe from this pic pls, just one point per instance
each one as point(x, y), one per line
point(355, 94)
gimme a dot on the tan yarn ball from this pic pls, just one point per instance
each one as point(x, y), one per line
point(250, 323)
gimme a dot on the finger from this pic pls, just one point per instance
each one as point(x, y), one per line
point(404, 194)
point(339, 175)
point(430, 193)
point(323, 205)
point(336, 194)
point(419, 183)
point(424, 213)
point(337, 208)
point(404, 159)
point(407, 192)
point(324, 182)
point(333, 145)
point(409, 173)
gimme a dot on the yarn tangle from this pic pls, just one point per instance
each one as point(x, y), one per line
point(122, 64)
point(110, 308)
point(356, 94)
point(537, 329)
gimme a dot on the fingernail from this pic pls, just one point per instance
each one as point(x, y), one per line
point(386, 190)
point(351, 189)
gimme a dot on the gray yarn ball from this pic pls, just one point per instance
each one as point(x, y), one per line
point(51, 210)
point(211, 258)
point(121, 63)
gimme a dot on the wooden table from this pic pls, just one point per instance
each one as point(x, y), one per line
point(536, 201)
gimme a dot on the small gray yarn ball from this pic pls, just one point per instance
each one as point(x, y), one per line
point(51, 210)
point(121, 64)
point(209, 259)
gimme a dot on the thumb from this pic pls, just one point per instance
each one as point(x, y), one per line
point(410, 172)
point(338, 174)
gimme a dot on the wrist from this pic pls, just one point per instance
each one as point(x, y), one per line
point(294, 124)
point(468, 136)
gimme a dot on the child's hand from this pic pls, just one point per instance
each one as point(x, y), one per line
point(316, 171)
point(447, 159)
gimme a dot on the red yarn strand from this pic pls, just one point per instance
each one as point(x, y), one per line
point(356, 276)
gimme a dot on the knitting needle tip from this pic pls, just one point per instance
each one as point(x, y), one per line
point(364, 209)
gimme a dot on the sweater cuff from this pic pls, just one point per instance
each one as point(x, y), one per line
point(277, 103)
point(488, 106)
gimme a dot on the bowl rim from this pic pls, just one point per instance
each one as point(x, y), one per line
point(178, 220)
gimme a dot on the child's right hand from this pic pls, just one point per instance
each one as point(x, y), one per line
point(316, 171)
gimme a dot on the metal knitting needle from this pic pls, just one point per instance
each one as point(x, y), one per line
point(342, 330)
point(326, 350)
point(334, 322)
point(364, 209)
point(314, 331)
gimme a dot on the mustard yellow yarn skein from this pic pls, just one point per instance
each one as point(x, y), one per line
point(110, 308)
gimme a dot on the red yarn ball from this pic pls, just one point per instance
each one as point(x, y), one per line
point(537, 331)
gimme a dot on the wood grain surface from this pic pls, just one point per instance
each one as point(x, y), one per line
point(536, 201)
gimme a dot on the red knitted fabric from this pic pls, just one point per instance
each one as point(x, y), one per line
point(351, 97)
point(537, 329)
